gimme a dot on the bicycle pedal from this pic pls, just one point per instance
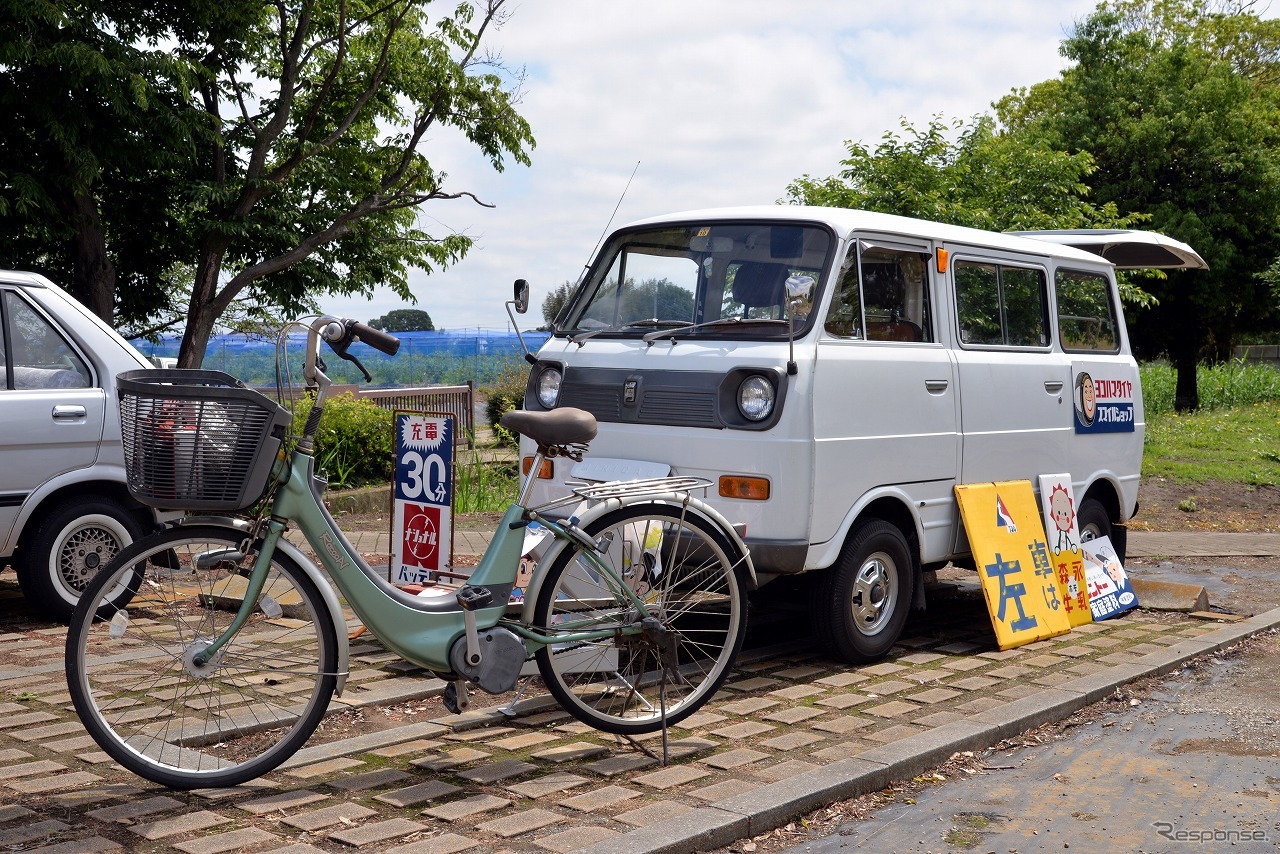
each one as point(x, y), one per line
point(471, 597)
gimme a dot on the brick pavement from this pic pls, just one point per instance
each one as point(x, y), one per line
point(789, 729)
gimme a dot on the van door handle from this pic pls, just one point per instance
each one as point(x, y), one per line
point(936, 386)
point(1053, 386)
point(68, 412)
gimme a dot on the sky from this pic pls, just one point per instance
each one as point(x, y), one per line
point(720, 102)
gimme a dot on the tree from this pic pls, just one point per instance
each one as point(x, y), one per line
point(555, 301)
point(403, 320)
point(1179, 107)
point(294, 143)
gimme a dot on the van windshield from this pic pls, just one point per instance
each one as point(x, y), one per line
point(740, 280)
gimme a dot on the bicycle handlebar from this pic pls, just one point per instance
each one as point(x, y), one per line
point(375, 338)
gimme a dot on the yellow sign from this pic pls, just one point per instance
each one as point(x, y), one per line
point(1008, 543)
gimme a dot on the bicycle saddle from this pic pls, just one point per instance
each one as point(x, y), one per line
point(567, 426)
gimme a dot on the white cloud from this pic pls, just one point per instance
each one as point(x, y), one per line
point(721, 102)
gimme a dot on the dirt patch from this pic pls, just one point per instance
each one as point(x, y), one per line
point(1164, 505)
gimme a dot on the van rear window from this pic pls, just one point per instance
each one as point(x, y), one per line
point(1086, 316)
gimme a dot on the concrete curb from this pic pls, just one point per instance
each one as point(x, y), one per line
point(774, 805)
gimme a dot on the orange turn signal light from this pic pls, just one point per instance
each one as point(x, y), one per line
point(748, 488)
point(546, 472)
point(942, 260)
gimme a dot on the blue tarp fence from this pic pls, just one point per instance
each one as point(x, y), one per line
point(447, 357)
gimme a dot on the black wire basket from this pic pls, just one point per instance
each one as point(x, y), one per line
point(197, 440)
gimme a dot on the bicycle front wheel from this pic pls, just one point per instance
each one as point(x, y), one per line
point(627, 681)
point(137, 685)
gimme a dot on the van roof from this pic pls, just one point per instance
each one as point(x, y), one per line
point(845, 220)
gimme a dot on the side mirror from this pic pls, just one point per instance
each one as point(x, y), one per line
point(521, 299)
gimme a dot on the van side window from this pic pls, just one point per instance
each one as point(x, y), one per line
point(1001, 305)
point(1086, 317)
point(41, 356)
point(890, 291)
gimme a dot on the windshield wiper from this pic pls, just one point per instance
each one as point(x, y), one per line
point(651, 322)
point(650, 337)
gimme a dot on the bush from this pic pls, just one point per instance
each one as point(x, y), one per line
point(506, 394)
point(355, 442)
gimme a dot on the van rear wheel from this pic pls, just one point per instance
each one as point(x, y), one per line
point(1095, 523)
point(860, 603)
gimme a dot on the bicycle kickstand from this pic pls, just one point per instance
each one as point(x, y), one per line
point(456, 697)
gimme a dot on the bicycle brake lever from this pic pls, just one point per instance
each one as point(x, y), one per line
point(353, 360)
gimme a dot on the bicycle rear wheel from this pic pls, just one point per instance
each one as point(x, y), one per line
point(141, 695)
point(680, 566)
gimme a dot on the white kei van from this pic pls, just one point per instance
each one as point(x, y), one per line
point(835, 373)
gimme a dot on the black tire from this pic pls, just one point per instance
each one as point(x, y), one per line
point(139, 692)
point(620, 683)
point(68, 547)
point(1095, 523)
point(861, 602)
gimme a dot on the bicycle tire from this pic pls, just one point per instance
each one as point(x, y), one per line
point(139, 693)
point(621, 683)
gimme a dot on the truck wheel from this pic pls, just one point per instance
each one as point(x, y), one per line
point(1095, 523)
point(860, 603)
point(76, 539)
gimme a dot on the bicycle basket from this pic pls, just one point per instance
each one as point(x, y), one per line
point(197, 440)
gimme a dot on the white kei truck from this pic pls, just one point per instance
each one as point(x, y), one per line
point(836, 373)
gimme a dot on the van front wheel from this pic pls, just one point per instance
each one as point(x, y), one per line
point(860, 603)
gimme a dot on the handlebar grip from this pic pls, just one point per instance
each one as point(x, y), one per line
point(375, 338)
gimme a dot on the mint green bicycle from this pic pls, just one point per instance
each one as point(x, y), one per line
point(206, 654)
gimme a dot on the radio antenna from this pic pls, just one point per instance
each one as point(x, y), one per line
point(587, 265)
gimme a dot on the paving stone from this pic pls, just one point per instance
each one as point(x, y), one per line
point(842, 701)
point(1002, 654)
point(445, 843)
point(378, 831)
point(958, 648)
point(451, 759)
point(800, 672)
point(798, 692)
point(611, 766)
point(746, 729)
point(12, 755)
point(682, 747)
point(601, 798)
point(940, 718)
point(328, 816)
point(975, 683)
point(13, 813)
point(188, 823)
point(786, 770)
point(884, 689)
point(571, 752)
point(20, 836)
point(794, 715)
point(127, 812)
point(25, 720)
point(62, 745)
point(550, 784)
point(498, 771)
point(432, 790)
point(842, 725)
point(724, 790)
point(40, 785)
point(467, 807)
point(234, 840)
point(884, 668)
point(895, 733)
point(1018, 692)
point(521, 822)
point(894, 709)
point(749, 706)
point(843, 680)
point(481, 734)
point(418, 745)
point(961, 665)
point(253, 787)
point(520, 742)
point(653, 813)
point(322, 769)
point(44, 733)
point(281, 802)
point(84, 797)
point(28, 769)
point(1016, 671)
point(87, 845)
point(578, 837)
point(844, 749)
point(735, 758)
point(980, 705)
point(934, 695)
point(671, 776)
point(702, 720)
point(791, 741)
point(756, 683)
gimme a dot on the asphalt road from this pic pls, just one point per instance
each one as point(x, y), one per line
point(1192, 766)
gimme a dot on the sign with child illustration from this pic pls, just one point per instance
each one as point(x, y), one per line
point(422, 498)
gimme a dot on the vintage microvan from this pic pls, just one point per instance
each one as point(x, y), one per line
point(836, 373)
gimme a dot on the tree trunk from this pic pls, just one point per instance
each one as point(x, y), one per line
point(201, 311)
point(94, 276)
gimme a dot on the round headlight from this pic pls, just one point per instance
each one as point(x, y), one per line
point(755, 398)
point(549, 387)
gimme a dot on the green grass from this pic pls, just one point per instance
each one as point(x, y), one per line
point(1240, 444)
point(1231, 384)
